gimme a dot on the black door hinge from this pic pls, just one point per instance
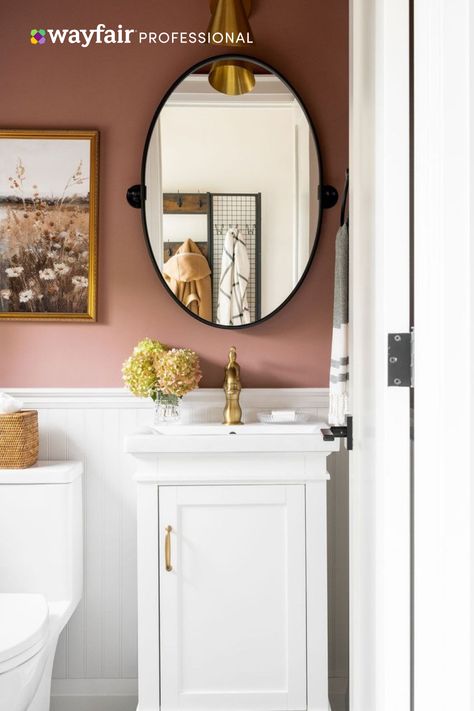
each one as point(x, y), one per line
point(400, 360)
point(339, 432)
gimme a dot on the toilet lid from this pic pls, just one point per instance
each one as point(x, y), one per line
point(23, 623)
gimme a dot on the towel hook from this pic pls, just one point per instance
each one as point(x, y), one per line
point(344, 200)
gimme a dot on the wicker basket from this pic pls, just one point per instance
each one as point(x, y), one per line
point(19, 440)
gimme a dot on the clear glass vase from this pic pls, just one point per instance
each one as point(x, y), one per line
point(167, 409)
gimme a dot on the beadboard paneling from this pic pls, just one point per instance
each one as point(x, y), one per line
point(97, 652)
point(100, 640)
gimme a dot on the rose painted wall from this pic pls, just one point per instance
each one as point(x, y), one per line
point(116, 88)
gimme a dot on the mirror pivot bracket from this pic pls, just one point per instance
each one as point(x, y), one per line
point(136, 194)
point(328, 196)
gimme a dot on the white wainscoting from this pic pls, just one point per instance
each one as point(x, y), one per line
point(96, 662)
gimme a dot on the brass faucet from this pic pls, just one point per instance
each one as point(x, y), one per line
point(232, 388)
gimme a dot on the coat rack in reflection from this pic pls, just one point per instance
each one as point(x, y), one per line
point(248, 230)
point(240, 211)
point(186, 203)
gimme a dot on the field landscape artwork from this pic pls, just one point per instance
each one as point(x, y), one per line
point(48, 224)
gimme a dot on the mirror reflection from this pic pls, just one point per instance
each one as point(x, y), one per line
point(232, 209)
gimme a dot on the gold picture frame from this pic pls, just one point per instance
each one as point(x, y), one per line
point(49, 191)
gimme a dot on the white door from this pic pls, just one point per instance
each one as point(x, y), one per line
point(233, 607)
point(380, 553)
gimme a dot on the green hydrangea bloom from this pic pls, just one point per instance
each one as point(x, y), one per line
point(138, 371)
point(178, 371)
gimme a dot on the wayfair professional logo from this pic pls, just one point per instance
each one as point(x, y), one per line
point(104, 35)
point(38, 36)
point(98, 35)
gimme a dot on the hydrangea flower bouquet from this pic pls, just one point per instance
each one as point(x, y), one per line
point(164, 374)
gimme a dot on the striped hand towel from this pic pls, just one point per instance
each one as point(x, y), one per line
point(233, 308)
point(339, 375)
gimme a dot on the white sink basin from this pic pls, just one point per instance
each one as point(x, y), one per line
point(253, 428)
point(212, 437)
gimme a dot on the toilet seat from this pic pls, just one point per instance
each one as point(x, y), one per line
point(23, 628)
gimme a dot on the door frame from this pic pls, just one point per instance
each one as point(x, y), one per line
point(393, 623)
point(444, 267)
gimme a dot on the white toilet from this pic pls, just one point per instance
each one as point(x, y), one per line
point(40, 576)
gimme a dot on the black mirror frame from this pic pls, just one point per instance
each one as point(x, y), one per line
point(327, 195)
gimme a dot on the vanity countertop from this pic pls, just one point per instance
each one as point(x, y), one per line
point(215, 437)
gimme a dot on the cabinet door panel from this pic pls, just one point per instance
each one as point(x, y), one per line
point(233, 607)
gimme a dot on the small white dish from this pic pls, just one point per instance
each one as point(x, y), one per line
point(268, 418)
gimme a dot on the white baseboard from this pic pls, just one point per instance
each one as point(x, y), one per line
point(120, 694)
point(95, 703)
point(94, 695)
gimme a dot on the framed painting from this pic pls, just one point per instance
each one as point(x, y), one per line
point(48, 224)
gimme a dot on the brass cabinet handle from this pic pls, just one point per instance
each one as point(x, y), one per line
point(168, 565)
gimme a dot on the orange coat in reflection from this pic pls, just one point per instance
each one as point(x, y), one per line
point(188, 275)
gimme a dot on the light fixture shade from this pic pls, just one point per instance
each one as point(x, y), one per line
point(230, 19)
point(231, 77)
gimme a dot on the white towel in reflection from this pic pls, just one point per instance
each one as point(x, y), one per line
point(232, 307)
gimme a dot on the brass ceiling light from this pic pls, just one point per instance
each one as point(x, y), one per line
point(229, 23)
point(229, 26)
point(232, 77)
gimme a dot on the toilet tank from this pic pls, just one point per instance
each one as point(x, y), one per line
point(41, 530)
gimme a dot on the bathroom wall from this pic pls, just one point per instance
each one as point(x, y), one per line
point(116, 88)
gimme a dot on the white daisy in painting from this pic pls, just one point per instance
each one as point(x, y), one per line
point(26, 296)
point(5, 293)
point(14, 271)
point(80, 281)
point(61, 268)
point(47, 274)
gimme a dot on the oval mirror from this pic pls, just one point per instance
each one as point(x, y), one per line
point(232, 173)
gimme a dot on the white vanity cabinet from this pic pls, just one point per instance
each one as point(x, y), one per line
point(232, 601)
point(233, 606)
